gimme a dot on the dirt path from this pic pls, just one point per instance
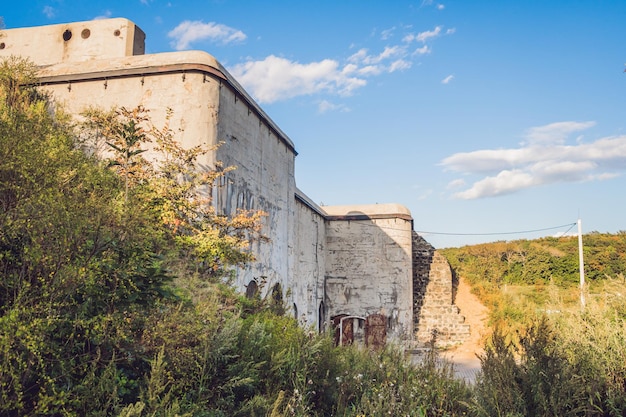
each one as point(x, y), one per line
point(464, 357)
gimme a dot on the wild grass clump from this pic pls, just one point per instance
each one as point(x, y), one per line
point(388, 383)
point(568, 365)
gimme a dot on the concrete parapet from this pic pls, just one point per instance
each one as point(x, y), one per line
point(74, 42)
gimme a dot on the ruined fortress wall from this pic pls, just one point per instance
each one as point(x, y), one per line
point(369, 267)
point(309, 256)
point(264, 179)
point(207, 109)
point(435, 314)
point(329, 261)
point(191, 122)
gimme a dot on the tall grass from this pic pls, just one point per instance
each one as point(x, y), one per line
point(569, 363)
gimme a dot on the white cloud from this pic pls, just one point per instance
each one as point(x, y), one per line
point(325, 106)
point(427, 35)
point(422, 50)
point(399, 65)
point(370, 70)
point(505, 182)
point(361, 57)
point(426, 3)
point(423, 36)
point(189, 31)
point(447, 79)
point(275, 78)
point(387, 33)
point(555, 132)
point(459, 182)
point(49, 11)
point(105, 15)
point(544, 159)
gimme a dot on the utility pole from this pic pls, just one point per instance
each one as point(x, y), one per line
point(581, 264)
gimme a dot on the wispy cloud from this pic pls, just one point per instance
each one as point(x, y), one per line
point(326, 106)
point(555, 133)
point(426, 3)
point(542, 158)
point(105, 15)
point(387, 33)
point(189, 32)
point(423, 36)
point(49, 12)
point(447, 79)
point(275, 78)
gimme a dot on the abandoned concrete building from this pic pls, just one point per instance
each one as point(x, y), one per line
point(354, 266)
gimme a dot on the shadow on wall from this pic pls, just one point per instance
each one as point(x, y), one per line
point(434, 290)
point(423, 253)
point(368, 277)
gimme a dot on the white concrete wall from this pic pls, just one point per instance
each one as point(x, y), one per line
point(369, 265)
point(307, 288)
point(74, 42)
point(193, 118)
point(207, 110)
point(263, 180)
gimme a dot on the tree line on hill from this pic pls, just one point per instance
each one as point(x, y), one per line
point(544, 260)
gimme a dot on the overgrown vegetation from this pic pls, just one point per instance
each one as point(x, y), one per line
point(522, 279)
point(541, 261)
point(115, 298)
point(548, 355)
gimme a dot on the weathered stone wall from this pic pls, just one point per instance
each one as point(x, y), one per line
point(434, 311)
point(74, 42)
point(368, 265)
point(264, 179)
point(207, 110)
point(309, 256)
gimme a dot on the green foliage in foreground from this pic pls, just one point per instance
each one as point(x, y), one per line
point(569, 366)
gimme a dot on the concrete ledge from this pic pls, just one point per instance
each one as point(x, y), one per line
point(367, 212)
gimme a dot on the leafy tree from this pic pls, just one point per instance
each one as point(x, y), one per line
point(176, 191)
point(88, 251)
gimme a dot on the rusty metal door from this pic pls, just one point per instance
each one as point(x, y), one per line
point(347, 330)
point(375, 331)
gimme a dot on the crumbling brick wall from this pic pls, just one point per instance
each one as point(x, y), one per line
point(434, 310)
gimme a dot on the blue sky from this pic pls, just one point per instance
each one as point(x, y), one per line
point(481, 117)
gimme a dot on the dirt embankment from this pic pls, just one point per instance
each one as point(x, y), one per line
point(465, 356)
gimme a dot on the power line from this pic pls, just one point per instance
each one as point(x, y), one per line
point(565, 232)
point(499, 233)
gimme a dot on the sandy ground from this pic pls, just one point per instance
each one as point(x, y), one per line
point(465, 357)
